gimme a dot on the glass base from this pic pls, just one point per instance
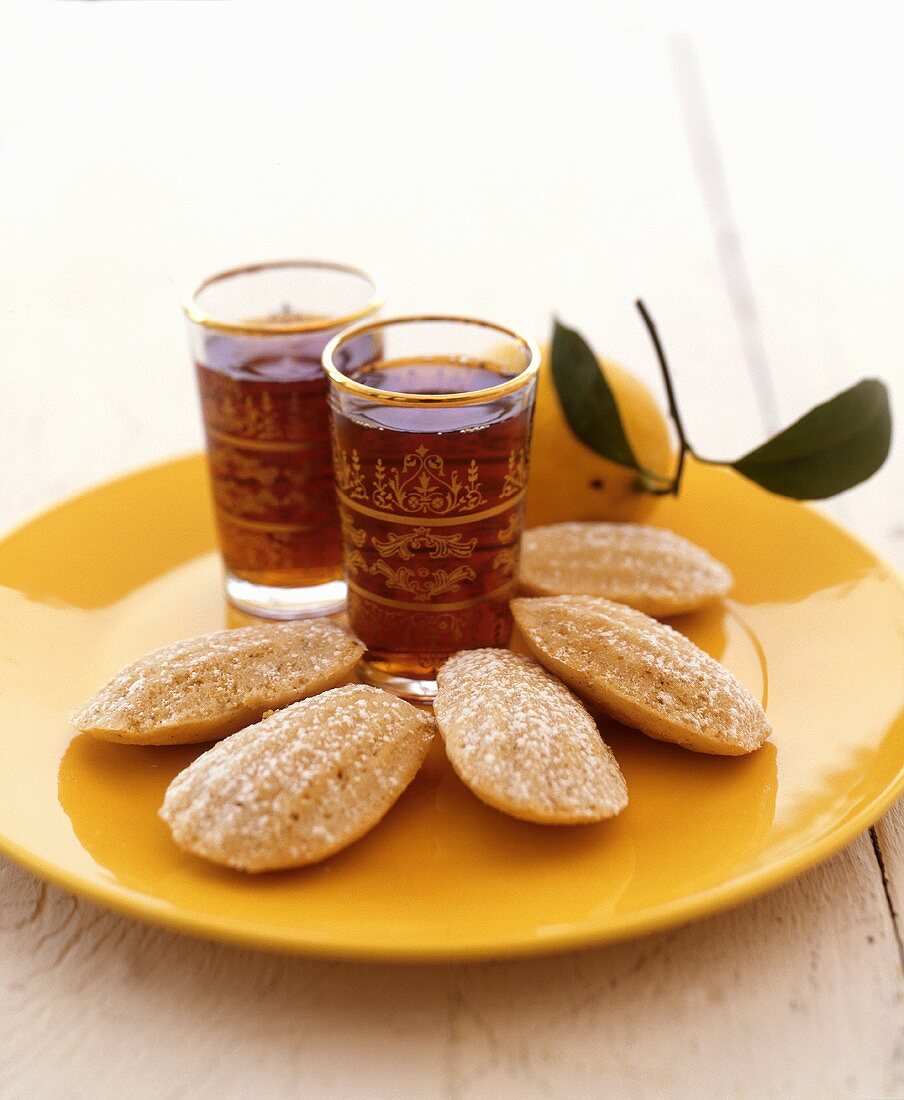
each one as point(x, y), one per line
point(267, 601)
point(406, 687)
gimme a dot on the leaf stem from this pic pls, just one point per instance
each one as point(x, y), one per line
point(684, 446)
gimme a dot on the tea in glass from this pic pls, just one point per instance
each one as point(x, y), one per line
point(257, 336)
point(431, 421)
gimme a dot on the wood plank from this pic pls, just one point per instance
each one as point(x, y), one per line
point(97, 1005)
point(888, 837)
point(790, 995)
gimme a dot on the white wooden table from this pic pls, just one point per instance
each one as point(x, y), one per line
point(745, 181)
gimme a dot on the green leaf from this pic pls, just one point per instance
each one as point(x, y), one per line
point(587, 401)
point(832, 448)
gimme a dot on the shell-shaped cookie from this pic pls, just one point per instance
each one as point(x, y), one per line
point(300, 785)
point(648, 568)
point(208, 687)
point(522, 742)
point(643, 673)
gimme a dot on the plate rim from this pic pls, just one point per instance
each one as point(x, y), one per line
point(672, 914)
point(711, 901)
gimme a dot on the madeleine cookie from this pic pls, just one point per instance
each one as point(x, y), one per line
point(643, 673)
point(205, 688)
point(302, 784)
point(522, 742)
point(649, 568)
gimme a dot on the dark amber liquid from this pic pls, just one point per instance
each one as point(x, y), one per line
point(267, 425)
point(431, 509)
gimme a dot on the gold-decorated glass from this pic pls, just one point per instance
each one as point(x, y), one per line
point(431, 421)
point(257, 334)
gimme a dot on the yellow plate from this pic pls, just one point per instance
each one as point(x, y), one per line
point(815, 628)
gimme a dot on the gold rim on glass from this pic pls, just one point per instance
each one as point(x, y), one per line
point(414, 400)
point(276, 328)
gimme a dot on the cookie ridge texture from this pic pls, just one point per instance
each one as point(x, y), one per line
point(302, 784)
point(207, 687)
point(642, 672)
point(649, 568)
point(522, 742)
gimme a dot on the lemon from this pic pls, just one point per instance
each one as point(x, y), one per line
point(569, 481)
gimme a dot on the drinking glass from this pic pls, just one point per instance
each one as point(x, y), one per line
point(431, 421)
point(257, 334)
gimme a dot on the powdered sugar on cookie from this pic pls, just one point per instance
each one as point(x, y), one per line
point(302, 784)
point(207, 687)
point(643, 673)
point(649, 568)
point(522, 742)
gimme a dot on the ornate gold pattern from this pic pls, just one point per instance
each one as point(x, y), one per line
point(271, 474)
point(228, 462)
point(509, 530)
point(237, 500)
point(285, 417)
point(249, 415)
point(268, 525)
point(506, 560)
point(253, 549)
point(424, 538)
point(442, 520)
point(215, 436)
point(355, 562)
point(423, 584)
point(421, 629)
point(423, 485)
point(250, 485)
point(515, 480)
point(349, 475)
point(423, 482)
point(496, 595)
point(350, 532)
point(354, 539)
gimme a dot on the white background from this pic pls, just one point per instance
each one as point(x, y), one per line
point(506, 160)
